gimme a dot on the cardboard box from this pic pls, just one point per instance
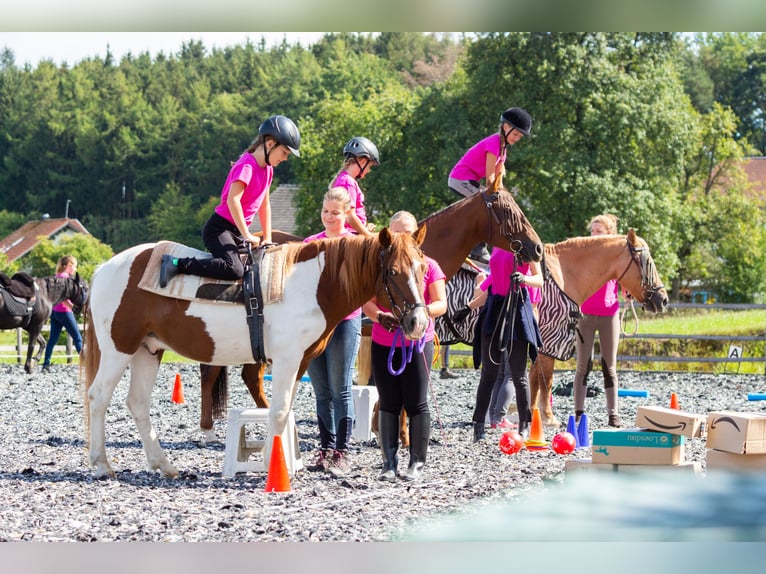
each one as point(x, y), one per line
point(636, 446)
point(722, 460)
point(673, 421)
point(740, 433)
point(586, 464)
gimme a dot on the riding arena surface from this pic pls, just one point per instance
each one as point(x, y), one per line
point(49, 494)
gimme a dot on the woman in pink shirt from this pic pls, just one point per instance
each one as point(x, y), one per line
point(62, 316)
point(331, 372)
point(600, 313)
point(359, 155)
point(245, 193)
point(402, 383)
point(486, 160)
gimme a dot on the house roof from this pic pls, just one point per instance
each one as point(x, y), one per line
point(755, 168)
point(282, 209)
point(24, 239)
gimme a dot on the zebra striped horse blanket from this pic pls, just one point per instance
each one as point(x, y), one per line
point(558, 316)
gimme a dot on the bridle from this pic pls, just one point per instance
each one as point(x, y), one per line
point(643, 260)
point(489, 198)
point(388, 285)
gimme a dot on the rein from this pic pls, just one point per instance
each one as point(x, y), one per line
point(510, 305)
point(408, 350)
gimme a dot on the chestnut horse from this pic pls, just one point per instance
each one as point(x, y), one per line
point(49, 292)
point(323, 282)
point(580, 266)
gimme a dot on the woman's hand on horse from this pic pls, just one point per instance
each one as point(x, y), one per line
point(253, 240)
point(388, 321)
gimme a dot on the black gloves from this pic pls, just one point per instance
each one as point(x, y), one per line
point(518, 278)
point(388, 321)
point(460, 315)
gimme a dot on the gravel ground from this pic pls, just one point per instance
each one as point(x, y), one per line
point(49, 494)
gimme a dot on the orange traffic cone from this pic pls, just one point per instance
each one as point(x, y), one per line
point(674, 401)
point(278, 479)
point(178, 391)
point(536, 436)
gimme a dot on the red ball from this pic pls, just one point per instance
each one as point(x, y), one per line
point(511, 442)
point(563, 443)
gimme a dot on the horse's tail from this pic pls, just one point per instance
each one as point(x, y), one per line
point(90, 357)
point(221, 394)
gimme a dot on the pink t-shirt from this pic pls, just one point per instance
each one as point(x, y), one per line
point(605, 302)
point(64, 306)
point(323, 235)
point(434, 273)
point(500, 270)
point(257, 181)
point(473, 165)
point(348, 183)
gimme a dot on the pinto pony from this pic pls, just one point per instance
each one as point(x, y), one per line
point(49, 292)
point(323, 282)
point(580, 266)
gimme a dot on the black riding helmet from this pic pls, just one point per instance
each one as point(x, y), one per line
point(284, 130)
point(361, 147)
point(518, 118)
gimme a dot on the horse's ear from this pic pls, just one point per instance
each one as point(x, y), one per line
point(420, 234)
point(384, 237)
point(632, 236)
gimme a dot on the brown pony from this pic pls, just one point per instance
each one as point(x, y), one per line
point(127, 326)
point(579, 267)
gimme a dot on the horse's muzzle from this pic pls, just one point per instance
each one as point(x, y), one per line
point(414, 323)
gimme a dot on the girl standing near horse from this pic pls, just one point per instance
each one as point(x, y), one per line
point(401, 369)
point(245, 193)
point(486, 160)
point(331, 372)
point(62, 316)
point(600, 313)
point(507, 323)
point(359, 155)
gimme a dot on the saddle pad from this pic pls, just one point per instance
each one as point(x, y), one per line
point(193, 287)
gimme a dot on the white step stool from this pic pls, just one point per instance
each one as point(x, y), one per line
point(239, 449)
point(365, 397)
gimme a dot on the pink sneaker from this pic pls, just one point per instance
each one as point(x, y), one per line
point(504, 424)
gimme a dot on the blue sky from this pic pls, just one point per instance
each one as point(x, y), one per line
point(71, 47)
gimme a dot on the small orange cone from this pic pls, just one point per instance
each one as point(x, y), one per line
point(674, 401)
point(178, 391)
point(536, 436)
point(278, 479)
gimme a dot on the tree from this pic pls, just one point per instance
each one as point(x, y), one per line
point(89, 251)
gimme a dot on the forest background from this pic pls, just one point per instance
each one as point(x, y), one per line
point(650, 126)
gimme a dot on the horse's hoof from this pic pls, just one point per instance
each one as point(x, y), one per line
point(209, 437)
point(104, 471)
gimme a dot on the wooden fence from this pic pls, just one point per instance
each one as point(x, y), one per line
point(19, 350)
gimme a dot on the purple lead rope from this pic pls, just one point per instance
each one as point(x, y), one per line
point(407, 351)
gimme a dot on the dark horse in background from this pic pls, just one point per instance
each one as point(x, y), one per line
point(492, 216)
point(27, 303)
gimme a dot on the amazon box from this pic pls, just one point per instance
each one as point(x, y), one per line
point(636, 446)
point(722, 460)
point(740, 433)
point(673, 421)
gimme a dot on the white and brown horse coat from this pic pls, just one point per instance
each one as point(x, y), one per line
point(324, 281)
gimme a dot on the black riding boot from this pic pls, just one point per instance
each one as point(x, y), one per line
point(420, 434)
point(479, 433)
point(388, 430)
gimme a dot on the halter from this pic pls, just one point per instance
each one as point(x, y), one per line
point(490, 197)
point(643, 260)
point(406, 307)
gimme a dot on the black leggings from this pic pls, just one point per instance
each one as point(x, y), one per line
point(408, 390)
point(222, 239)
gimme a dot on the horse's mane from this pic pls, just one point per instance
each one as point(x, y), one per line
point(512, 222)
point(345, 260)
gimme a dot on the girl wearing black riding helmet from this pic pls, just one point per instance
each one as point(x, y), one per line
point(359, 155)
point(245, 193)
point(486, 160)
